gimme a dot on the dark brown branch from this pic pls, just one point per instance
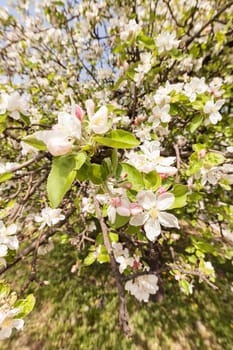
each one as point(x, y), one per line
point(123, 312)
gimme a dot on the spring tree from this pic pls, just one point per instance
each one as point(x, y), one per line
point(116, 130)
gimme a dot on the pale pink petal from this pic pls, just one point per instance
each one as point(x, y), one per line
point(165, 201)
point(168, 220)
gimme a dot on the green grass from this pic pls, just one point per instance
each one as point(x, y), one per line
point(79, 312)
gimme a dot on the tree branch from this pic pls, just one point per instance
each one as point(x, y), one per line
point(123, 312)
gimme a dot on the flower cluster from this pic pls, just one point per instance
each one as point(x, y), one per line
point(49, 216)
point(142, 286)
point(8, 240)
point(9, 321)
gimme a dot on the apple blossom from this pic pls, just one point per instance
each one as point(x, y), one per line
point(166, 41)
point(8, 240)
point(152, 215)
point(8, 321)
point(14, 103)
point(99, 120)
point(141, 287)
point(49, 216)
point(212, 109)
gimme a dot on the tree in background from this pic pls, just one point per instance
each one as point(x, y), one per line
point(116, 132)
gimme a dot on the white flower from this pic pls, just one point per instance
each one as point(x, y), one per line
point(130, 28)
point(87, 205)
point(118, 203)
point(49, 217)
point(194, 87)
point(98, 120)
point(60, 139)
point(8, 322)
point(161, 96)
point(212, 109)
point(8, 240)
point(212, 175)
point(161, 113)
point(152, 214)
point(166, 41)
point(215, 86)
point(14, 103)
point(141, 287)
point(58, 142)
point(151, 160)
point(70, 123)
point(122, 256)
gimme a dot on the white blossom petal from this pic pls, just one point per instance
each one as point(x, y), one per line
point(147, 199)
point(152, 229)
point(139, 219)
point(168, 220)
point(165, 201)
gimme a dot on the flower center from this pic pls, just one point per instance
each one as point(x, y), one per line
point(154, 213)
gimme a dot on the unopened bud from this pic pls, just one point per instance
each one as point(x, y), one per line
point(79, 112)
point(163, 175)
point(162, 190)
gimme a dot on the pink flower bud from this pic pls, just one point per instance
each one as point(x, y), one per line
point(163, 175)
point(201, 153)
point(79, 112)
point(128, 186)
point(162, 190)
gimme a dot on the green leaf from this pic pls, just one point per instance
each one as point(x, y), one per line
point(103, 256)
point(184, 285)
point(25, 305)
point(82, 173)
point(195, 123)
point(5, 177)
point(3, 117)
point(90, 259)
point(130, 174)
point(4, 290)
point(97, 173)
point(32, 141)
point(152, 180)
point(214, 158)
point(120, 221)
point(118, 139)
point(147, 41)
point(180, 192)
point(60, 178)
point(80, 159)
point(114, 237)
